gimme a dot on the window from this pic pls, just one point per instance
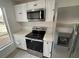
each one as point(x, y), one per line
point(4, 35)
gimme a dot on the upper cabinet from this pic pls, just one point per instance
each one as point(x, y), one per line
point(47, 5)
point(36, 4)
point(21, 15)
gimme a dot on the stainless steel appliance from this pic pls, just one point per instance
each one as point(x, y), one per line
point(63, 39)
point(61, 49)
point(36, 15)
point(74, 49)
point(68, 45)
point(34, 40)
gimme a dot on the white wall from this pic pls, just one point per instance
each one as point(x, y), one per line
point(70, 15)
point(70, 11)
point(65, 29)
point(66, 3)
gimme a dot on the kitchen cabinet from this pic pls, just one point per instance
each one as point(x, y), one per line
point(50, 7)
point(47, 48)
point(20, 42)
point(36, 5)
point(20, 11)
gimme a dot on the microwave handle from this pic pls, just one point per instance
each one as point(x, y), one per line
point(40, 14)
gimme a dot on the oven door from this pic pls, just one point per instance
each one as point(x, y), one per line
point(34, 45)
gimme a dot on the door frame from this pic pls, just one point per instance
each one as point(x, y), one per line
point(4, 15)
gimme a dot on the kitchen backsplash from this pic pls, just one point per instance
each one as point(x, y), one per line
point(29, 25)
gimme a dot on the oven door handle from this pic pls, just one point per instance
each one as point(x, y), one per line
point(40, 14)
point(34, 39)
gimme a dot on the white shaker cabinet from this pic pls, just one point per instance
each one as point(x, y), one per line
point(20, 42)
point(36, 4)
point(50, 6)
point(47, 48)
point(20, 11)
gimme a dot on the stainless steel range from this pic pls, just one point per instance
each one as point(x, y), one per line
point(34, 40)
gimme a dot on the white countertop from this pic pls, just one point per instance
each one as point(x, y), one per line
point(22, 32)
point(48, 35)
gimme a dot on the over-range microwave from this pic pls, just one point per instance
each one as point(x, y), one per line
point(36, 15)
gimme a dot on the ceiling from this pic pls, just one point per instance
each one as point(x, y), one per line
point(21, 1)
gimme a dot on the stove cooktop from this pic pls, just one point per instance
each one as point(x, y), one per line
point(36, 35)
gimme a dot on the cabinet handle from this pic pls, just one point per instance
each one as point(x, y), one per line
point(53, 18)
point(35, 4)
point(50, 52)
point(20, 13)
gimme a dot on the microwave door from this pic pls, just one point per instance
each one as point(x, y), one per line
point(33, 15)
point(37, 15)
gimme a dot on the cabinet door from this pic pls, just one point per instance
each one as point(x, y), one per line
point(23, 44)
point(50, 6)
point(36, 5)
point(21, 15)
point(39, 4)
point(47, 49)
point(31, 5)
point(20, 42)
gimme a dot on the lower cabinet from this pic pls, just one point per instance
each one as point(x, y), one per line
point(47, 49)
point(47, 45)
point(20, 42)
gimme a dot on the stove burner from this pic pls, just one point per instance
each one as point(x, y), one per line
point(36, 35)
